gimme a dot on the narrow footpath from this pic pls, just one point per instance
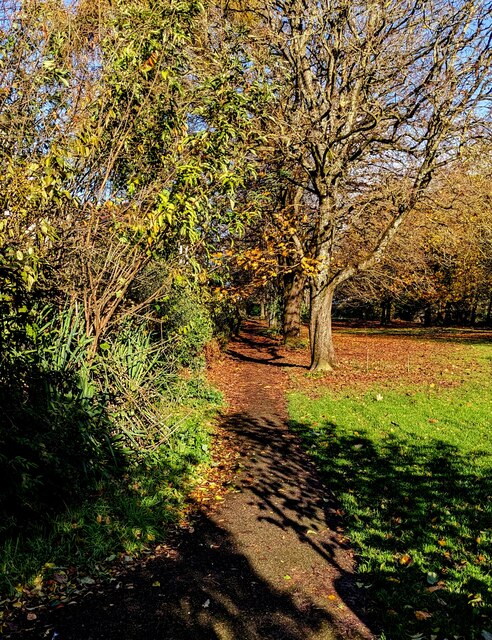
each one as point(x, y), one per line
point(270, 564)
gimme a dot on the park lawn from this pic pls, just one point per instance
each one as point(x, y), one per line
point(411, 467)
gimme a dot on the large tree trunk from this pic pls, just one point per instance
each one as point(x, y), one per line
point(293, 290)
point(322, 350)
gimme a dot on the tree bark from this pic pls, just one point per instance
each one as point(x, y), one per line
point(473, 313)
point(293, 290)
point(428, 316)
point(385, 313)
point(320, 331)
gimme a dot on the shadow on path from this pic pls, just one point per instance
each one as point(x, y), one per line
point(270, 564)
point(208, 590)
point(275, 359)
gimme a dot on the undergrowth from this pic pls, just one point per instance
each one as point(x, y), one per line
point(98, 452)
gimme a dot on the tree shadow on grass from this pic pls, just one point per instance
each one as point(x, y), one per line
point(419, 514)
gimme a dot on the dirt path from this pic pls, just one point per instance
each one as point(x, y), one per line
point(268, 564)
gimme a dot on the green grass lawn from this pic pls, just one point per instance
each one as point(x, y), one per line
point(412, 469)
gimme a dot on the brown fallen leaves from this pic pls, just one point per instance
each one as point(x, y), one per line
point(216, 480)
point(368, 358)
point(423, 615)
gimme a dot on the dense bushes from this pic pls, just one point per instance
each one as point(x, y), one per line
point(118, 171)
point(115, 435)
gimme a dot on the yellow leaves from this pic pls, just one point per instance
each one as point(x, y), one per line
point(310, 266)
point(38, 582)
point(475, 599)
point(103, 519)
point(405, 560)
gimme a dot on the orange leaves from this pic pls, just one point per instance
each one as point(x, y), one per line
point(405, 560)
point(423, 615)
point(210, 490)
point(150, 62)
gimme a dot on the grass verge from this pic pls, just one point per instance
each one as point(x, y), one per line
point(412, 470)
point(121, 516)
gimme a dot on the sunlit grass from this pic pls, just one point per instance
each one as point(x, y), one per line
point(412, 468)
